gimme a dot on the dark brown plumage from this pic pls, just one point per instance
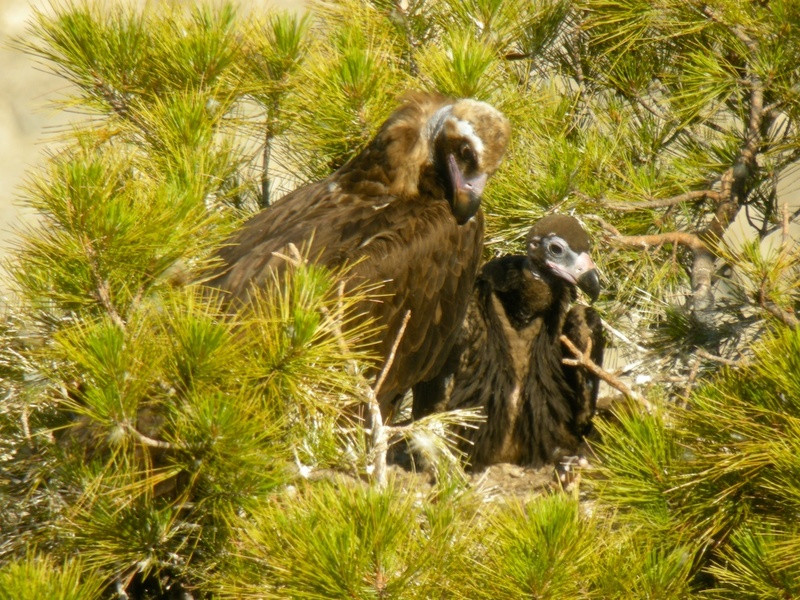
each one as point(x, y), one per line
point(406, 212)
point(508, 356)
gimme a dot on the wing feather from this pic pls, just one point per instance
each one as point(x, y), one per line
point(414, 245)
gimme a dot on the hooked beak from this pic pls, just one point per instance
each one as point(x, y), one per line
point(589, 282)
point(466, 191)
point(582, 273)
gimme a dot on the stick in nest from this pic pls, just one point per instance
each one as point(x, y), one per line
point(584, 359)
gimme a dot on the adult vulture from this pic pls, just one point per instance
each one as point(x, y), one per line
point(508, 357)
point(406, 212)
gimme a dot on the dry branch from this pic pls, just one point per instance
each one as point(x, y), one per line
point(583, 359)
point(718, 359)
point(380, 435)
point(786, 317)
point(379, 432)
point(144, 440)
point(689, 240)
point(693, 196)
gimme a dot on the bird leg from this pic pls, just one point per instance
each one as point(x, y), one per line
point(584, 359)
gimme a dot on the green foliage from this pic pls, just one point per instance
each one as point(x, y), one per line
point(635, 474)
point(758, 563)
point(348, 541)
point(540, 551)
point(638, 566)
point(354, 68)
point(463, 67)
point(35, 577)
point(721, 477)
point(167, 431)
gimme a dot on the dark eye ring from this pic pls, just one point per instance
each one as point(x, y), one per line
point(466, 152)
point(556, 249)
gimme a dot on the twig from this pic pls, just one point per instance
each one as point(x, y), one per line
point(120, 104)
point(657, 239)
point(608, 227)
point(692, 196)
point(718, 359)
point(784, 225)
point(380, 435)
point(146, 441)
point(390, 359)
point(784, 316)
point(583, 359)
point(26, 429)
point(690, 381)
point(102, 292)
point(265, 199)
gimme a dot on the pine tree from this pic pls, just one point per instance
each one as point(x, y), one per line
point(152, 445)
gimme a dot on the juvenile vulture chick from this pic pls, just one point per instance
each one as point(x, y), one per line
point(406, 212)
point(508, 356)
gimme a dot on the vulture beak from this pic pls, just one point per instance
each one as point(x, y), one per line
point(589, 282)
point(466, 191)
point(582, 272)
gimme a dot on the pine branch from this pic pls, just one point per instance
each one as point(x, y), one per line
point(120, 105)
point(102, 292)
point(786, 317)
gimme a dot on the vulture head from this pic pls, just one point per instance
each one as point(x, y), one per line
point(467, 141)
point(559, 246)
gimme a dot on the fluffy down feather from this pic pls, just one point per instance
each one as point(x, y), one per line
point(507, 359)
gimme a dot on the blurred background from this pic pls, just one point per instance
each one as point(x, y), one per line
point(29, 122)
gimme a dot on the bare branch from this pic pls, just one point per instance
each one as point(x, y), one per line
point(518, 55)
point(380, 435)
point(102, 292)
point(786, 317)
point(146, 441)
point(584, 359)
point(26, 429)
point(693, 196)
point(718, 359)
point(390, 359)
point(689, 240)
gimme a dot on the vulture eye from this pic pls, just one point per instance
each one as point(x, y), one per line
point(466, 153)
point(556, 249)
